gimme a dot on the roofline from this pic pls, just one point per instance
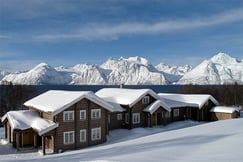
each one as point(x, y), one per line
point(158, 103)
point(48, 129)
point(95, 99)
point(148, 91)
point(209, 97)
point(104, 104)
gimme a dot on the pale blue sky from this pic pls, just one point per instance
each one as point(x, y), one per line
point(68, 32)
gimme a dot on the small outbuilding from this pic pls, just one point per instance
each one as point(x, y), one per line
point(224, 112)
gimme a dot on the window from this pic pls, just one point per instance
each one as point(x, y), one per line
point(126, 118)
point(145, 100)
point(68, 115)
point(119, 116)
point(82, 114)
point(109, 118)
point(95, 114)
point(176, 112)
point(167, 114)
point(96, 134)
point(136, 118)
point(68, 137)
point(83, 135)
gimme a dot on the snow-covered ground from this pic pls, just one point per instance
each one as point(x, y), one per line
point(179, 141)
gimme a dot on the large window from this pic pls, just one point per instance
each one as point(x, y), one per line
point(136, 118)
point(119, 116)
point(83, 135)
point(145, 100)
point(95, 134)
point(126, 118)
point(167, 114)
point(68, 115)
point(68, 137)
point(176, 112)
point(82, 114)
point(95, 114)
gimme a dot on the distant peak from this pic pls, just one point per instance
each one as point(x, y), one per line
point(42, 64)
point(139, 60)
point(223, 58)
point(221, 54)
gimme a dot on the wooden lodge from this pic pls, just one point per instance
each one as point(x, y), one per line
point(67, 120)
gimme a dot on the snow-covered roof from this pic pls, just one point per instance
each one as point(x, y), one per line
point(26, 119)
point(155, 105)
point(190, 100)
point(175, 104)
point(124, 96)
point(55, 101)
point(225, 109)
point(116, 107)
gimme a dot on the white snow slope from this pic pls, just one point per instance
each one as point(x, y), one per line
point(173, 73)
point(219, 141)
point(134, 70)
point(220, 69)
point(3, 74)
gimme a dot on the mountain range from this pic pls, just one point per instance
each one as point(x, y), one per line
point(220, 69)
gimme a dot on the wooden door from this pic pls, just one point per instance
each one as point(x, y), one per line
point(159, 118)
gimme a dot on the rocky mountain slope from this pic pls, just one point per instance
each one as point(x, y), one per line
point(220, 69)
point(173, 73)
point(134, 70)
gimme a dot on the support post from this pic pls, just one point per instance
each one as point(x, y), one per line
point(35, 140)
point(130, 118)
point(22, 139)
point(17, 141)
point(43, 145)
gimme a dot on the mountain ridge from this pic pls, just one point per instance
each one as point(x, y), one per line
point(219, 69)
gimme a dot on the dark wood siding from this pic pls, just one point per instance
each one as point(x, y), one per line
point(138, 108)
point(77, 124)
point(114, 123)
point(181, 116)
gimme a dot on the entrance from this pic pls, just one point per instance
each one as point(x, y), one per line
point(159, 118)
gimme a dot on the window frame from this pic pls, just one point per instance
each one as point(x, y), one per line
point(119, 116)
point(167, 114)
point(145, 100)
point(85, 114)
point(126, 118)
point(176, 112)
point(94, 112)
point(68, 116)
point(96, 134)
point(136, 118)
point(85, 135)
point(69, 139)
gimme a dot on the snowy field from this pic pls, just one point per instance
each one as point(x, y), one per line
point(181, 141)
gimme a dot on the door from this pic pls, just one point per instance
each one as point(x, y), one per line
point(154, 119)
point(188, 113)
point(159, 118)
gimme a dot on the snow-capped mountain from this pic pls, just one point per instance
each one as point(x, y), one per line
point(220, 69)
point(83, 74)
point(173, 73)
point(134, 70)
point(3, 74)
point(39, 75)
